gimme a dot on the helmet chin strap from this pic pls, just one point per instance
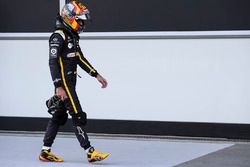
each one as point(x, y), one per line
point(80, 30)
point(81, 26)
point(66, 25)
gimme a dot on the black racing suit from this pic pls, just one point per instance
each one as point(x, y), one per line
point(65, 55)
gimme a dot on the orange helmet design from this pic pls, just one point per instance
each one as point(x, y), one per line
point(74, 14)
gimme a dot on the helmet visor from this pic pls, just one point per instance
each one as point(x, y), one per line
point(83, 17)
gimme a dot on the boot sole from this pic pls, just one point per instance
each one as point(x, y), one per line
point(46, 160)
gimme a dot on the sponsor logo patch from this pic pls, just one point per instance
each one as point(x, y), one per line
point(70, 45)
point(71, 55)
point(53, 51)
point(70, 72)
point(54, 44)
point(55, 39)
point(57, 79)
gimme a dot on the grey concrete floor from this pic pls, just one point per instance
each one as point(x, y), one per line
point(23, 150)
point(237, 155)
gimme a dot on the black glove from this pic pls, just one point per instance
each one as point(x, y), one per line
point(54, 104)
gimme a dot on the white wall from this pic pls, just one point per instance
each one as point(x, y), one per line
point(191, 80)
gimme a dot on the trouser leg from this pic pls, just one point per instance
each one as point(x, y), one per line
point(82, 136)
point(79, 118)
point(50, 134)
point(58, 119)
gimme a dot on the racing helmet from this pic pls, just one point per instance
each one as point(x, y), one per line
point(74, 14)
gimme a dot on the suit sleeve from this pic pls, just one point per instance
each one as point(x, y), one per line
point(55, 48)
point(85, 65)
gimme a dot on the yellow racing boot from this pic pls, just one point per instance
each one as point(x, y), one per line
point(48, 156)
point(94, 155)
